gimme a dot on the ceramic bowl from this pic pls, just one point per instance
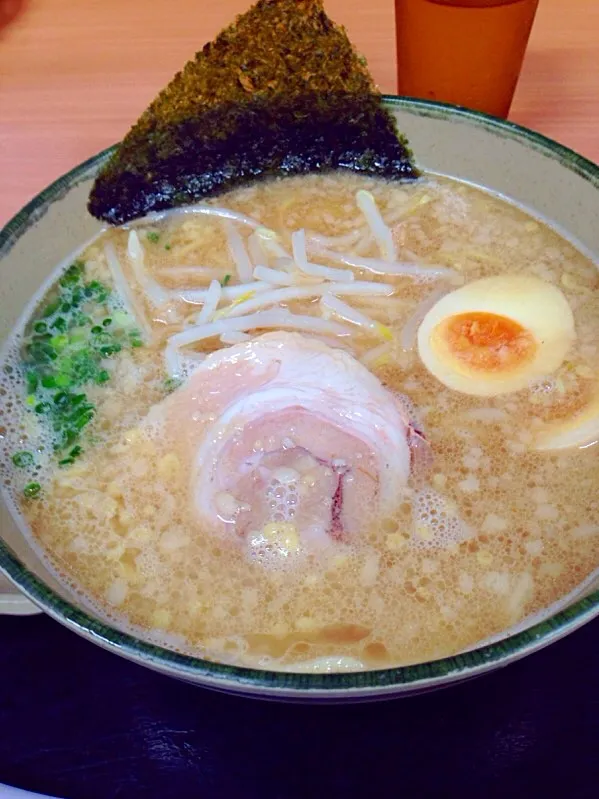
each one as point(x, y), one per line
point(523, 166)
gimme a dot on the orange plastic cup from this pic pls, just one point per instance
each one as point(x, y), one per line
point(467, 52)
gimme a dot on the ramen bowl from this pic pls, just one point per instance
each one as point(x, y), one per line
point(540, 175)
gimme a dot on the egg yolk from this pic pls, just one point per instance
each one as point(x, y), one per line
point(487, 342)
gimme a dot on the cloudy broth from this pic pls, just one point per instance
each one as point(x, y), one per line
point(486, 532)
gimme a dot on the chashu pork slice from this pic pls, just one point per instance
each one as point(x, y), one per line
point(286, 442)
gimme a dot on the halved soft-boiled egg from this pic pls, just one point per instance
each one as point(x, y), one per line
point(494, 335)
point(579, 430)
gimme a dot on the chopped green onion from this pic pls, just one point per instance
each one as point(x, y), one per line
point(68, 437)
point(23, 459)
point(41, 352)
point(135, 338)
point(82, 420)
point(72, 275)
point(32, 490)
point(48, 381)
point(225, 280)
point(32, 382)
point(110, 349)
point(62, 381)
point(61, 399)
point(51, 308)
point(59, 342)
point(76, 297)
point(97, 289)
point(167, 246)
point(71, 336)
point(152, 236)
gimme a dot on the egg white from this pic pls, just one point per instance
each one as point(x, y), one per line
point(580, 430)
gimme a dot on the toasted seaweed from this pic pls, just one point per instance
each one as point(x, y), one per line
point(279, 92)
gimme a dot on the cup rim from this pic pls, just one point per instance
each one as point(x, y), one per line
point(252, 681)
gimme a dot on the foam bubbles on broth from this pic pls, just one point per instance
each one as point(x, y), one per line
point(488, 534)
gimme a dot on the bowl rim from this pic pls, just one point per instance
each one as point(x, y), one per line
point(251, 681)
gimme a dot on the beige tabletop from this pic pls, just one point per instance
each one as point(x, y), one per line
point(74, 74)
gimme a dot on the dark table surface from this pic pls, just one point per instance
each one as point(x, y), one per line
point(80, 723)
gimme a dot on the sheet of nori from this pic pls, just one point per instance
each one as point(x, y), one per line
point(279, 92)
